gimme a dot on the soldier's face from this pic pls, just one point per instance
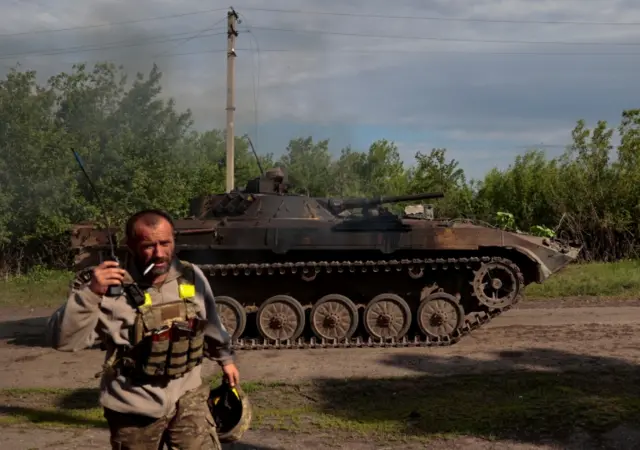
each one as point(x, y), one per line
point(154, 244)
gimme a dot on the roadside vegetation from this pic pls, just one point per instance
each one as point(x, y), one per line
point(141, 152)
point(620, 280)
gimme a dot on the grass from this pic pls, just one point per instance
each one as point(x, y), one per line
point(619, 280)
point(38, 288)
point(524, 406)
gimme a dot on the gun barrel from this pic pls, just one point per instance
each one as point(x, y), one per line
point(339, 205)
point(407, 198)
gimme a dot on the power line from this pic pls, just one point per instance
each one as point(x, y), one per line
point(443, 19)
point(463, 52)
point(415, 51)
point(297, 11)
point(197, 35)
point(256, 85)
point(82, 49)
point(211, 51)
point(167, 38)
point(110, 24)
point(75, 49)
point(117, 44)
point(443, 39)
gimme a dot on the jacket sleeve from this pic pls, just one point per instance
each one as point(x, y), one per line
point(217, 338)
point(73, 326)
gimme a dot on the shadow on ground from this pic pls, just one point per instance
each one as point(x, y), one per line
point(243, 446)
point(81, 408)
point(28, 332)
point(532, 359)
point(544, 396)
point(535, 396)
point(76, 410)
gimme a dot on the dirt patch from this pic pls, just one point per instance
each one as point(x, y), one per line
point(38, 438)
point(533, 339)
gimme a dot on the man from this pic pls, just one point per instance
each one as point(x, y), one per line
point(146, 399)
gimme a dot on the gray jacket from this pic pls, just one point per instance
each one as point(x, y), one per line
point(86, 316)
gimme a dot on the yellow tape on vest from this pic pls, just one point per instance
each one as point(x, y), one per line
point(187, 290)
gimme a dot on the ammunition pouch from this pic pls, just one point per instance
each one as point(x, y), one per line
point(168, 339)
point(173, 350)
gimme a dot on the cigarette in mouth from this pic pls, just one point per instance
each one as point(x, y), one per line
point(146, 271)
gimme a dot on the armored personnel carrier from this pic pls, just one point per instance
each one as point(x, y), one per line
point(292, 271)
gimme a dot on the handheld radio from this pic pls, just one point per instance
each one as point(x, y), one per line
point(115, 290)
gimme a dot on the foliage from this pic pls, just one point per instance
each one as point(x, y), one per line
point(141, 152)
point(507, 221)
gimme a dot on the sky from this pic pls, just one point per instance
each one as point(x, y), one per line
point(486, 79)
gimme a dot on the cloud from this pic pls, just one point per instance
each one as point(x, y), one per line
point(494, 80)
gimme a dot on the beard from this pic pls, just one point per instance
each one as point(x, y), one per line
point(155, 271)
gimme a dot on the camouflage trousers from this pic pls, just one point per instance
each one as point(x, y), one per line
point(190, 428)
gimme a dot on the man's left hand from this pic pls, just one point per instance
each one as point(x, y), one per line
point(231, 373)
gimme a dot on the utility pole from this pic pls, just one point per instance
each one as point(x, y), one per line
point(232, 33)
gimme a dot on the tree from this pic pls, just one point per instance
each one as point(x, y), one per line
point(141, 152)
point(307, 166)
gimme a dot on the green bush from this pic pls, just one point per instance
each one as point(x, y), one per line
point(141, 152)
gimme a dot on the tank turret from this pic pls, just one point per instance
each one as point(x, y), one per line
point(273, 181)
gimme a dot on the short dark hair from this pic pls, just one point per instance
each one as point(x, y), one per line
point(150, 217)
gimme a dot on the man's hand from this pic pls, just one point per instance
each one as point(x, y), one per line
point(105, 275)
point(231, 374)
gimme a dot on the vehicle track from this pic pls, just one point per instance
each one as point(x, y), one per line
point(387, 318)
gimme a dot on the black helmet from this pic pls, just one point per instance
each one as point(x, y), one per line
point(231, 411)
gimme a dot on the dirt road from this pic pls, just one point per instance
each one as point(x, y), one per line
point(546, 339)
point(533, 336)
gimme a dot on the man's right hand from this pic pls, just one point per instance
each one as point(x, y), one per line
point(106, 274)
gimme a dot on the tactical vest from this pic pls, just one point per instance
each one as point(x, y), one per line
point(167, 340)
